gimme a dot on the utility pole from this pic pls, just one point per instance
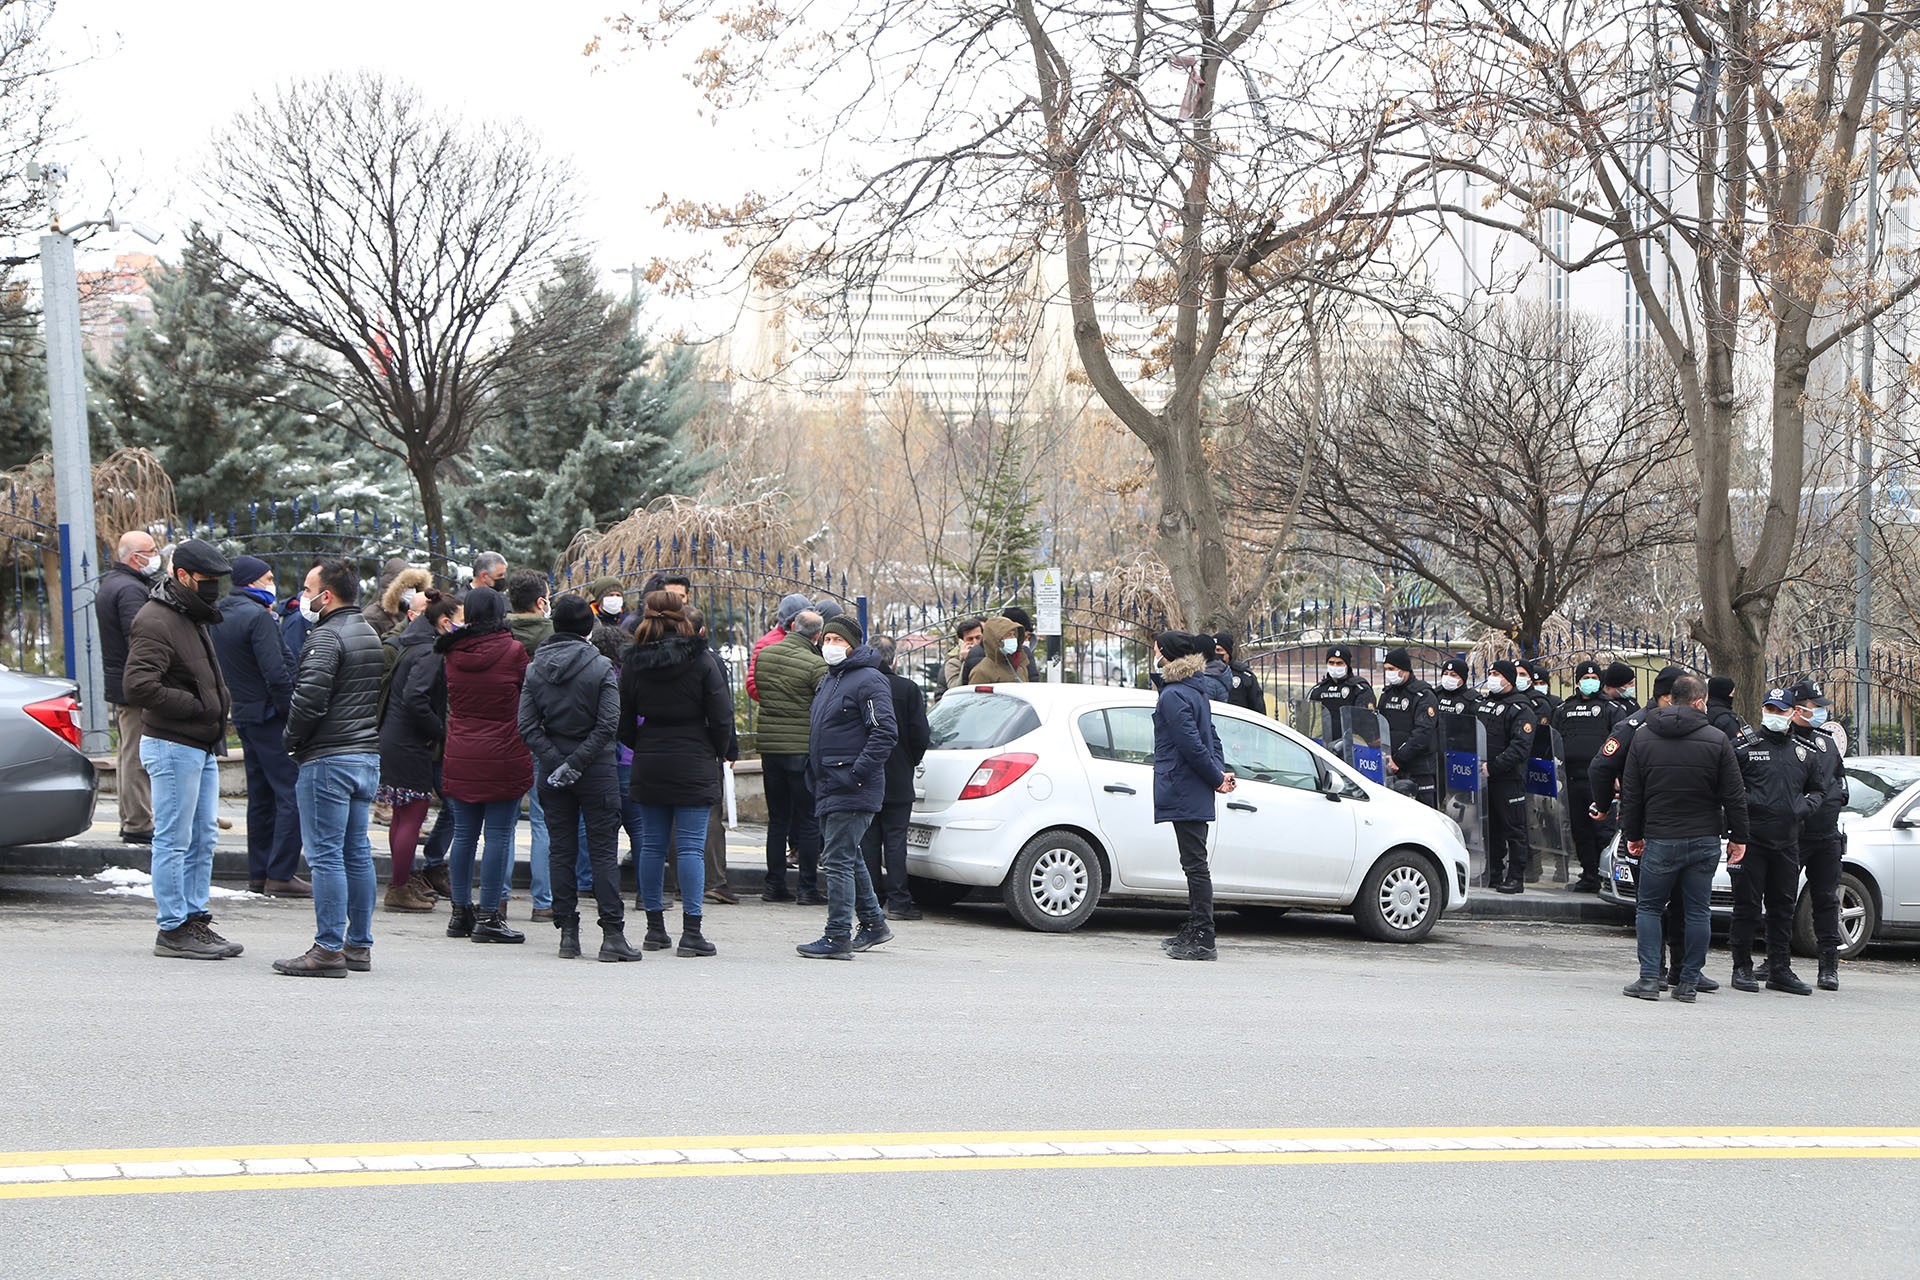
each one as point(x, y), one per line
point(1863, 536)
point(72, 468)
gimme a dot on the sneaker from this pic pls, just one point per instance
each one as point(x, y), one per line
point(1179, 939)
point(1788, 981)
point(187, 943)
point(317, 962)
point(231, 949)
point(359, 959)
point(905, 911)
point(1198, 946)
point(871, 936)
point(827, 949)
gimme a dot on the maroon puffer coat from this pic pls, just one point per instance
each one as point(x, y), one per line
point(486, 760)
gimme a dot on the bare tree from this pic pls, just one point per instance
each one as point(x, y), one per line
point(1714, 152)
point(1202, 163)
point(1509, 467)
point(388, 240)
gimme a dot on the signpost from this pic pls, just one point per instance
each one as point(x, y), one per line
point(1046, 620)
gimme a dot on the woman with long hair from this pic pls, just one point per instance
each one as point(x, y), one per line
point(413, 731)
point(675, 716)
point(487, 764)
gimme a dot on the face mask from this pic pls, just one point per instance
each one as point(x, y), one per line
point(1336, 671)
point(1449, 682)
point(1589, 686)
point(1396, 677)
point(309, 610)
point(835, 654)
point(1817, 717)
point(1523, 684)
point(1010, 645)
point(152, 567)
point(610, 606)
point(1495, 686)
point(407, 598)
point(263, 594)
point(1773, 723)
point(209, 591)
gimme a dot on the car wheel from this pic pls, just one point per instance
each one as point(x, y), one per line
point(1859, 918)
point(1055, 882)
point(1400, 898)
point(1257, 913)
point(937, 894)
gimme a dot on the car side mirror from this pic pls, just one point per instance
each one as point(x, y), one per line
point(1905, 822)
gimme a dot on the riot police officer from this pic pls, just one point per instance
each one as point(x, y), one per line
point(1533, 682)
point(1783, 787)
point(1617, 683)
point(1412, 714)
point(1822, 844)
point(1584, 722)
point(1510, 723)
point(1339, 690)
point(1603, 778)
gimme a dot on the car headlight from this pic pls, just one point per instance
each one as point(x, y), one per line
point(1459, 832)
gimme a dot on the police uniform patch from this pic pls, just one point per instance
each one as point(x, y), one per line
point(1432, 712)
point(1526, 726)
point(1613, 745)
point(1800, 751)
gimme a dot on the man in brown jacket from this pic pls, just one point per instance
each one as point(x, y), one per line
point(173, 676)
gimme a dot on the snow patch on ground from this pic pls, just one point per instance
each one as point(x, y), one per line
point(126, 882)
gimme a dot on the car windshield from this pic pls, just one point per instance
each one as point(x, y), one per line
point(1871, 790)
point(966, 721)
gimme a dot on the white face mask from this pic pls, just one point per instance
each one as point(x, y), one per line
point(309, 609)
point(1495, 686)
point(610, 606)
point(1523, 684)
point(835, 654)
point(1336, 671)
point(1773, 723)
point(153, 565)
point(1396, 677)
point(1449, 682)
point(1010, 645)
point(407, 598)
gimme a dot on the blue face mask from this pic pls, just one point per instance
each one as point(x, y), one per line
point(261, 594)
point(1817, 717)
point(1589, 686)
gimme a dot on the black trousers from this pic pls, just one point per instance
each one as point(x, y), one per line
point(1820, 853)
point(1507, 851)
point(1590, 835)
point(1191, 837)
point(596, 797)
point(273, 812)
point(790, 819)
point(1766, 883)
point(1424, 776)
point(885, 849)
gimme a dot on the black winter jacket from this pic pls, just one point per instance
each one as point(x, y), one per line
point(1412, 714)
point(253, 660)
point(1831, 780)
point(851, 732)
point(122, 593)
point(336, 690)
point(1335, 696)
point(910, 715)
point(1512, 725)
point(569, 706)
point(1584, 724)
point(676, 717)
point(413, 725)
point(172, 673)
point(1782, 787)
point(1682, 780)
point(1246, 691)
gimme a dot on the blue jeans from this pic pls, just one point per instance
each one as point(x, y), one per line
point(1668, 867)
point(186, 810)
point(686, 826)
point(539, 874)
point(336, 799)
point(497, 818)
point(849, 887)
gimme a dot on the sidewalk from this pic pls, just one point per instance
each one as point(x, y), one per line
point(100, 848)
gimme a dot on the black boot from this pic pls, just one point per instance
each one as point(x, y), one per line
point(460, 922)
point(692, 943)
point(1829, 979)
point(490, 926)
point(1198, 946)
point(569, 937)
point(1743, 979)
point(1781, 977)
point(657, 938)
point(1179, 939)
point(614, 946)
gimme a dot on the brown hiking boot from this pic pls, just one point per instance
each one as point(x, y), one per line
point(424, 887)
point(187, 943)
point(318, 962)
point(438, 880)
point(294, 888)
point(205, 928)
point(359, 959)
point(405, 897)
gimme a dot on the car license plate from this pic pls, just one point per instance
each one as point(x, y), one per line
point(920, 837)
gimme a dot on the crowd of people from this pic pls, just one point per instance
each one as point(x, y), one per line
point(596, 716)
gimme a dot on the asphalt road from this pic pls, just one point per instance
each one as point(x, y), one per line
point(965, 1026)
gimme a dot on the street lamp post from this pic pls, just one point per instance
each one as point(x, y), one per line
point(1863, 536)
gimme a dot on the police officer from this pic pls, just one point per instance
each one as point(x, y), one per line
point(1783, 787)
point(1603, 778)
point(1511, 724)
point(1584, 722)
point(1822, 844)
point(1720, 712)
point(1412, 714)
point(1534, 680)
point(1339, 690)
point(1617, 683)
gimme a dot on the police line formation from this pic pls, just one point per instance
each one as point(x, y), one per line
point(603, 718)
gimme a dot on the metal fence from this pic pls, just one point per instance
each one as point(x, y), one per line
point(291, 535)
point(30, 632)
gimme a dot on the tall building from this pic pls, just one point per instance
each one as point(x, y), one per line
point(111, 301)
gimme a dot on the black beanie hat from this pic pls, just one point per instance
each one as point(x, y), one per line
point(1224, 639)
point(1720, 688)
point(1340, 651)
point(1506, 670)
point(1588, 668)
point(1178, 644)
point(1536, 668)
point(1399, 658)
point(1455, 666)
point(1618, 676)
point(1663, 682)
point(843, 626)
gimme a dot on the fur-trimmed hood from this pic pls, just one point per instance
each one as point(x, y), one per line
point(410, 578)
point(1183, 668)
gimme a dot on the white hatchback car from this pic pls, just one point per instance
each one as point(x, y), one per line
point(1045, 791)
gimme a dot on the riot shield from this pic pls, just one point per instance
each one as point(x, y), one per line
point(1303, 716)
point(1366, 743)
point(1466, 800)
point(1549, 832)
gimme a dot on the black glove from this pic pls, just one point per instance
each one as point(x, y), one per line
point(565, 776)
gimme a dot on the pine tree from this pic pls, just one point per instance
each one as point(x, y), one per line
point(1003, 511)
point(24, 430)
point(587, 431)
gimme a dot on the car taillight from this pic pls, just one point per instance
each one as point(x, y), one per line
point(60, 715)
point(997, 773)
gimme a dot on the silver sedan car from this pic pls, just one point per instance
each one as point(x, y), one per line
point(1879, 873)
point(46, 783)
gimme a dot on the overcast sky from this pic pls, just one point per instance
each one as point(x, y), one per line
point(162, 76)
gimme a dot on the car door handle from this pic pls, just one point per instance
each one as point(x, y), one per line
point(1243, 806)
point(1119, 790)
